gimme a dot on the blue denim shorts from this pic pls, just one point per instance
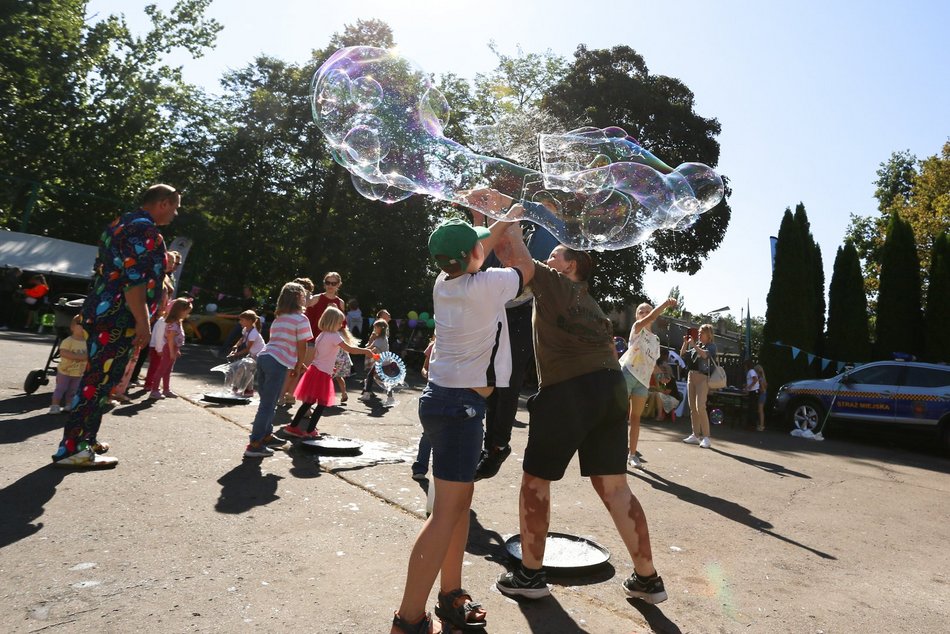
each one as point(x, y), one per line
point(634, 387)
point(452, 420)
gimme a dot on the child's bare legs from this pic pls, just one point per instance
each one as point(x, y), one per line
point(439, 546)
point(340, 384)
point(633, 416)
point(629, 518)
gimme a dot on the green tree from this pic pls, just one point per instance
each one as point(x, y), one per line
point(895, 180)
point(787, 316)
point(899, 322)
point(614, 88)
point(848, 337)
point(814, 277)
point(103, 98)
point(927, 210)
point(919, 191)
point(937, 312)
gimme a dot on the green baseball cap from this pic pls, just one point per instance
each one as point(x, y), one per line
point(453, 241)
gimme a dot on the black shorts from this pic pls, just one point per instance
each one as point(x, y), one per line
point(586, 415)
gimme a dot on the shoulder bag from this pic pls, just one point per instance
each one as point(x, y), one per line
point(717, 375)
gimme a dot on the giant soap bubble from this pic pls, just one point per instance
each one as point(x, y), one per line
point(597, 188)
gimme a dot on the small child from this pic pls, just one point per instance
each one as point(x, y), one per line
point(72, 363)
point(174, 340)
point(243, 356)
point(155, 347)
point(379, 342)
point(316, 386)
point(283, 354)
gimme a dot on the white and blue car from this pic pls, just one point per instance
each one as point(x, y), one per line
point(903, 395)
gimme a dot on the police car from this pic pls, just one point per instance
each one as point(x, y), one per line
point(898, 394)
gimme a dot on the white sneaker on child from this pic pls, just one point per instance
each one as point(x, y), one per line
point(54, 409)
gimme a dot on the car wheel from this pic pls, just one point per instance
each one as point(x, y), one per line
point(806, 415)
point(209, 334)
point(945, 434)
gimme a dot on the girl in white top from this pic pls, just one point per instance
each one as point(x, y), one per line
point(316, 386)
point(243, 357)
point(637, 364)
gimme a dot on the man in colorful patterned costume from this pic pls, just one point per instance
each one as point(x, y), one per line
point(125, 291)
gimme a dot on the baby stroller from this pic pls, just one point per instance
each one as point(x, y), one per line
point(65, 308)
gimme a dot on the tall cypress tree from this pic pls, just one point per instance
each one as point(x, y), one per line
point(814, 280)
point(786, 315)
point(899, 320)
point(848, 334)
point(937, 313)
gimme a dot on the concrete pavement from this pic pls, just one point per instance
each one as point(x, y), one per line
point(762, 533)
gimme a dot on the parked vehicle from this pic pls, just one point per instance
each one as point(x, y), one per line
point(901, 395)
point(210, 328)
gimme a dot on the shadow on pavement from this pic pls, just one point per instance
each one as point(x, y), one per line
point(15, 430)
point(654, 616)
point(484, 542)
point(25, 403)
point(22, 502)
point(725, 508)
point(245, 487)
point(545, 616)
point(769, 467)
point(306, 464)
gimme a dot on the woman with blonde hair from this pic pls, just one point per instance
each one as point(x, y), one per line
point(702, 355)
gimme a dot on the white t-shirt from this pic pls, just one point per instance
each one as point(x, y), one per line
point(255, 343)
point(354, 320)
point(641, 355)
point(752, 381)
point(158, 335)
point(472, 349)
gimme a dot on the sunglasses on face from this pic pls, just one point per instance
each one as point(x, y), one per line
point(329, 283)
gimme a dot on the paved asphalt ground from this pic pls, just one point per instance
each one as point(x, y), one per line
point(761, 533)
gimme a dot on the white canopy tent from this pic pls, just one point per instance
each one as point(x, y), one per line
point(46, 255)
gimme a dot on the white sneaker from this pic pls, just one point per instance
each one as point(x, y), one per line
point(366, 397)
point(704, 444)
point(691, 440)
point(55, 409)
point(634, 462)
point(390, 402)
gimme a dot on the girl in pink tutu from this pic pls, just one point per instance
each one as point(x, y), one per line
point(316, 385)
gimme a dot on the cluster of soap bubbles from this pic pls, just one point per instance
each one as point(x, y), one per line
point(597, 188)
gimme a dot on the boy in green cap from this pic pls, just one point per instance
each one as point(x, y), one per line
point(470, 358)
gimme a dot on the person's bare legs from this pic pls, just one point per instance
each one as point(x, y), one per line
point(439, 546)
point(633, 416)
point(340, 383)
point(534, 517)
point(629, 518)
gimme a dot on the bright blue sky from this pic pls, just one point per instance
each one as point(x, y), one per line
point(812, 95)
